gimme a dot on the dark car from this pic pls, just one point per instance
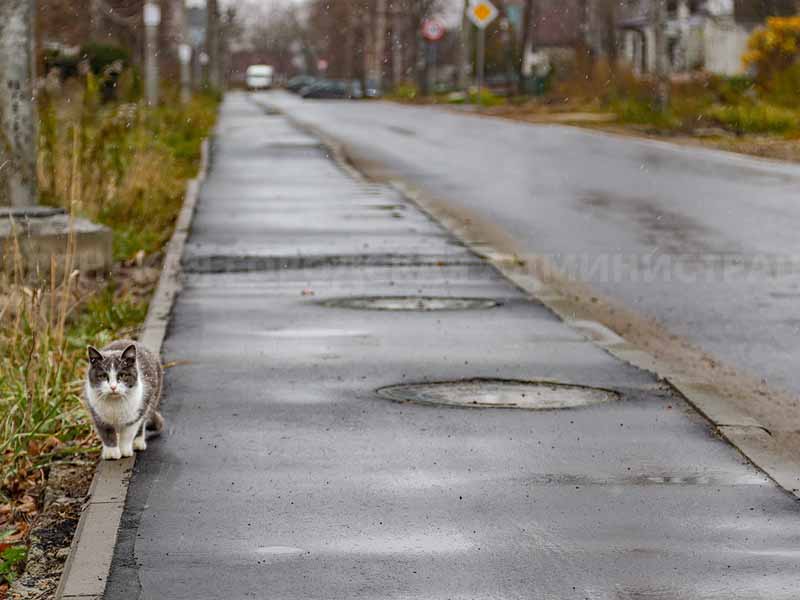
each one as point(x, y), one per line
point(296, 84)
point(327, 89)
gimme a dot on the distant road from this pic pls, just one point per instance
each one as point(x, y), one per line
point(709, 241)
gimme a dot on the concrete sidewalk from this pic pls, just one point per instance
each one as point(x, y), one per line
point(284, 475)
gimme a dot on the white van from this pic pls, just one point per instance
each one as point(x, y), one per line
point(259, 77)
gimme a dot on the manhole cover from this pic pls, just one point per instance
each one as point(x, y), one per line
point(420, 303)
point(499, 393)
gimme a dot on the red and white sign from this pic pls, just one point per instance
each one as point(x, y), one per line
point(432, 30)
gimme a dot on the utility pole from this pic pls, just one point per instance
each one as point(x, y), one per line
point(185, 58)
point(397, 50)
point(464, 50)
point(662, 58)
point(18, 117)
point(380, 42)
point(152, 19)
point(213, 45)
point(481, 62)
point(527, 19)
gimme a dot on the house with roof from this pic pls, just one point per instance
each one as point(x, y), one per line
point(709, 35)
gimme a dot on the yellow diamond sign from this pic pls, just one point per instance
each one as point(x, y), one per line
point(481, 13)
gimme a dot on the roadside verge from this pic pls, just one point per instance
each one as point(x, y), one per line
point(87, 567)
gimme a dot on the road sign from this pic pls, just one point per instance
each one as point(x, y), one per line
point(481, 13)
point(432, 30)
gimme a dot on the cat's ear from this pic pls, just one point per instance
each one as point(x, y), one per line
point(94, 355)
point(129, 354)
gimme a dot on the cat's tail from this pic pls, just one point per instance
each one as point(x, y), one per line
point(155, 424)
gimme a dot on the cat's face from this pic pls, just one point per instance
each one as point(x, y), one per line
point(112, 373)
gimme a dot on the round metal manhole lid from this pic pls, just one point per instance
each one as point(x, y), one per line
point(499, 393)
point(411, 303)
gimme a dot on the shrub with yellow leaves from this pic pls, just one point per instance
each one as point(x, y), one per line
point(773, 50)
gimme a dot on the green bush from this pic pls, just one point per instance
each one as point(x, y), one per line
point(67, 64)
point(642, 112)
point(101, 56)
point(732, 90)
point(486, 98)
point(755, 118)
point(785, 87)
point(405, 91)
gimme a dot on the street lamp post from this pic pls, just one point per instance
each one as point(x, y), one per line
point(185, 58)
point(152, 19)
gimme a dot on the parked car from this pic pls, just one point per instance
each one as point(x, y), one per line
point(259, 77)
point(328, 89)
point(373, 89)
point(356, 89)
point(296, 84)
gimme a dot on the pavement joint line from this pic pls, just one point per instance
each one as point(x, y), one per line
point(729, 421)
point(96, 534)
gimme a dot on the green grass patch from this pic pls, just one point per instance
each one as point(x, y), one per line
point(643, 112)
point(404, 93)
point(759, 118)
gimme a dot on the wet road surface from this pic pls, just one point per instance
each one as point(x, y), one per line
point(704, 242)
point(284, 475)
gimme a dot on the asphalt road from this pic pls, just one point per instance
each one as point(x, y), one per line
point(283, 474)
point(704, 242)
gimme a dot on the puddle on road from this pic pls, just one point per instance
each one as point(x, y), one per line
point(412, 543)
point(638, 479)
point(313, 333)
point(280, 550)
point(499, 393)
point(411, 303)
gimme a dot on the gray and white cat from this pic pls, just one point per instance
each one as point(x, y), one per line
point(122, 392)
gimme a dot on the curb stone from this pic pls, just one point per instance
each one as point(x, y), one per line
point(89, 562)
point(771, 452)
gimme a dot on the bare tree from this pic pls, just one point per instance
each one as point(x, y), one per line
point(464, 60)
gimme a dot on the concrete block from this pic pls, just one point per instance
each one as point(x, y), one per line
point(43, 232)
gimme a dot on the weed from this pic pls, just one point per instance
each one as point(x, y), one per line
point(11, 559)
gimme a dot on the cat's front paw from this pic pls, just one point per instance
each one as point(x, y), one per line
point(139, 444)
point(111, 453)
point(127, 452)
